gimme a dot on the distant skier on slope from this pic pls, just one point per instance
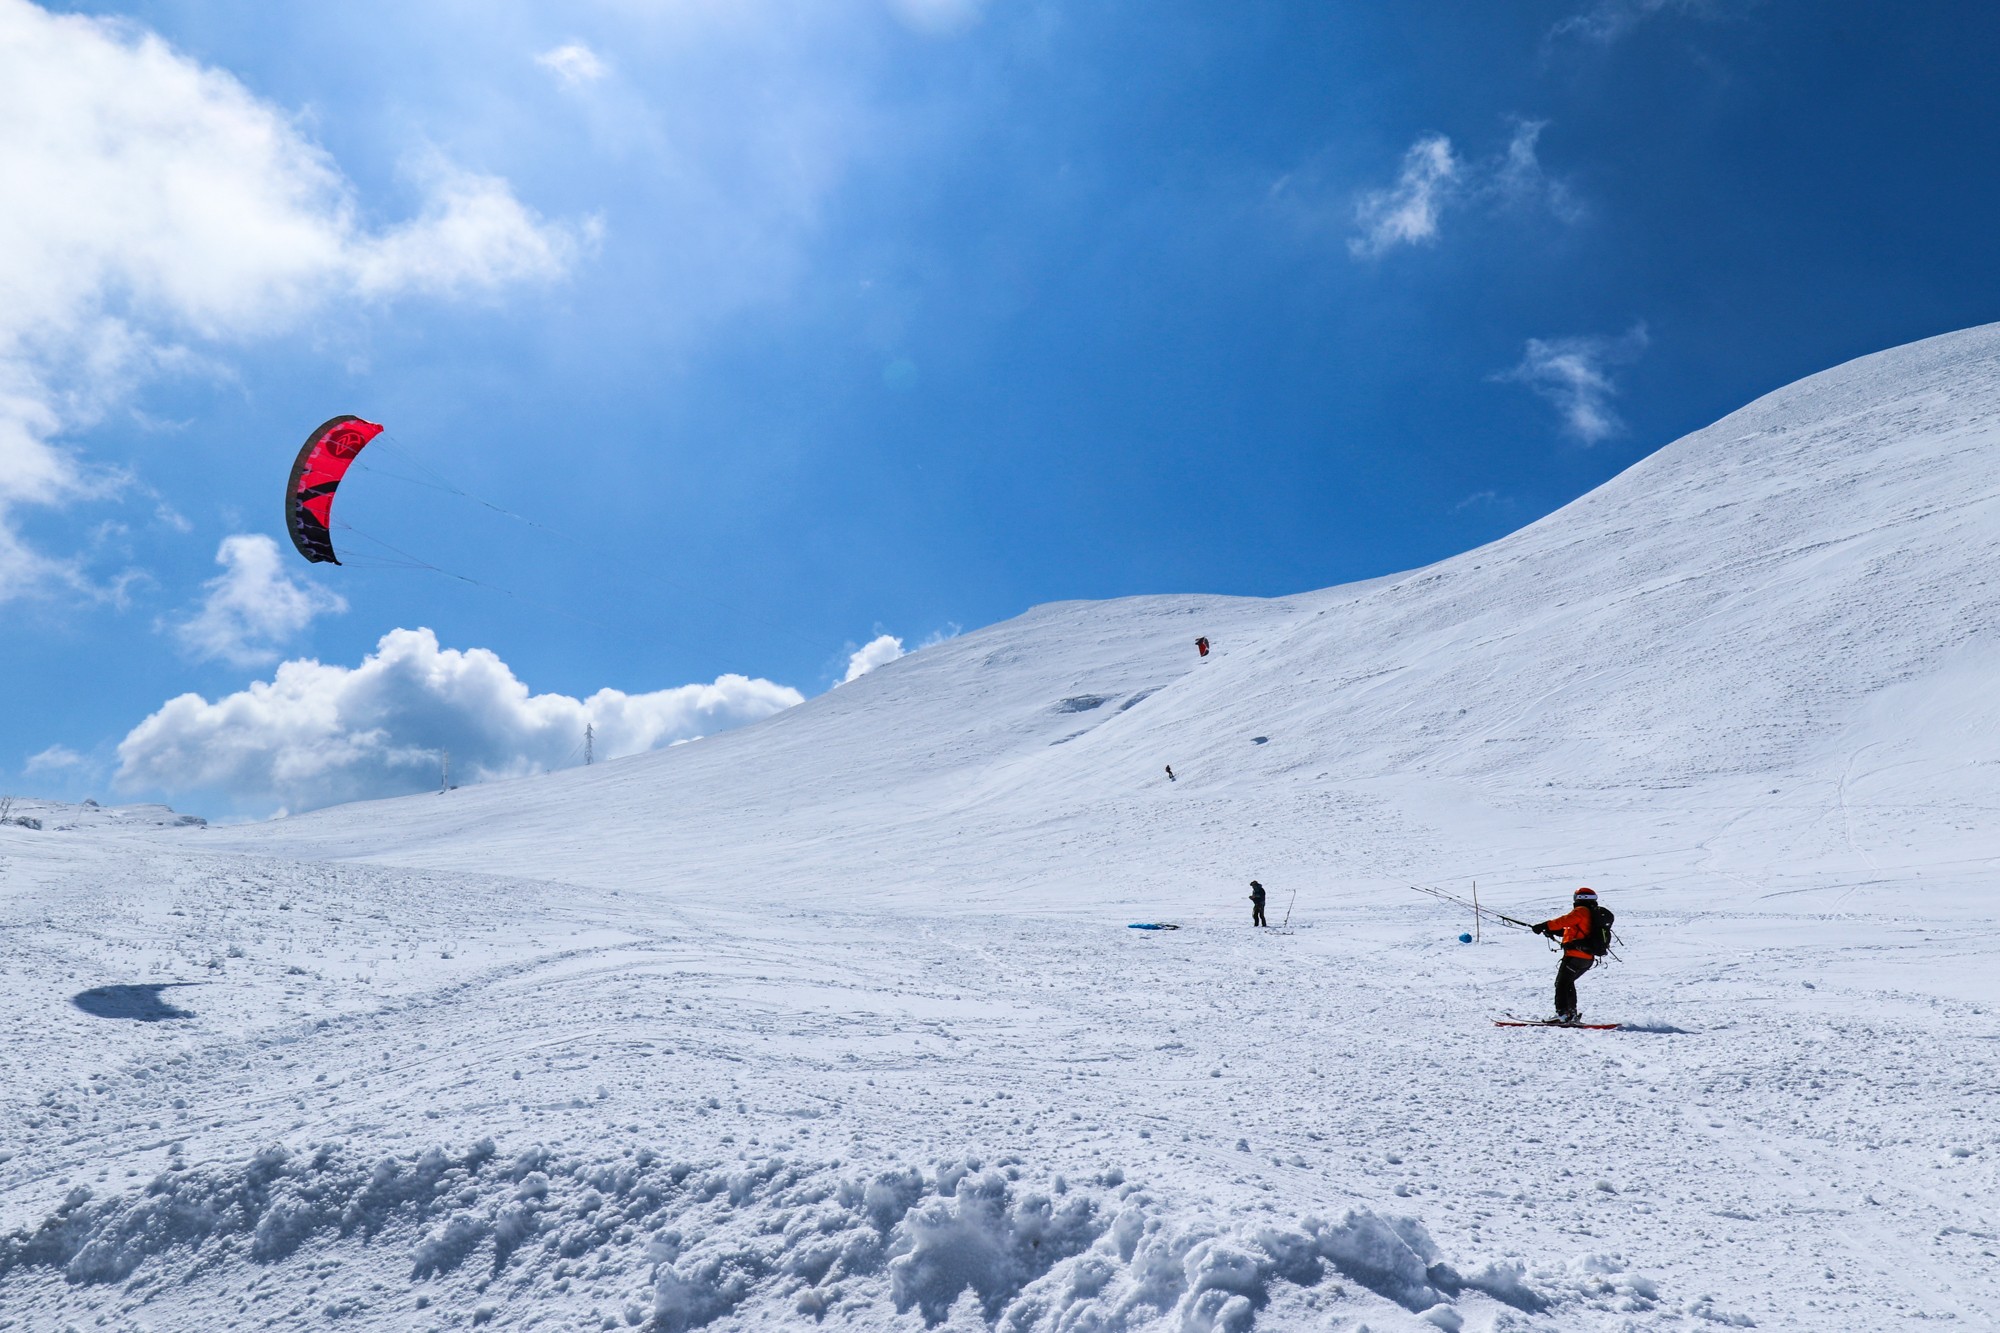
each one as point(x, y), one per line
point(1257, 904)
point(1201, 645)
point(1585, 935)
point(1170, 774)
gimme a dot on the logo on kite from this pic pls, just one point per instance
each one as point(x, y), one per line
point(345, 442)
point(316, 474)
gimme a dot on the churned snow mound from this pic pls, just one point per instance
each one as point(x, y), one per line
point(677, 1246)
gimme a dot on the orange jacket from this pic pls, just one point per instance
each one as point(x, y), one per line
point(1572, 927)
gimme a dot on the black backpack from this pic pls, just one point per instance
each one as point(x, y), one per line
point(1598, 942)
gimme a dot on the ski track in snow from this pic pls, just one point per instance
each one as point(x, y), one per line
point(834, 1021)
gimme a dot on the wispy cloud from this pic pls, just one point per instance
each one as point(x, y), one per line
point(253, 608)
point(1574, 374)
point(1407, 212)
point(574, 64)
point(939, 17)
point(1517, 179)
point(315, 733)
point(1607, 21)
point(247, 229)
point(55, 759)
point(1434, 178)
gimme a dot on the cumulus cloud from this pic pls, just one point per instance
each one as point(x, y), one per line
point(574, 64)
point(155, 204)
point(878, 651)
point(472, 234)
point(253, 607)
point(316, 734)
point(1574, 374)
point(1434, 178)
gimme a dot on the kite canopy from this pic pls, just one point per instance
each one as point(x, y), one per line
point(322, 462)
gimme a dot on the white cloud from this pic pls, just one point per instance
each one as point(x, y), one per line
point(878, 651)
point(574, 64)
point(253, 608)
point(938, 16)
point(169, 517)
point(1516, 179)
point(55, 759)
point(154, 203)
point(316, 734)
point(1608, 20)
point(1407, 212)
point(472, 234)
point(1435, 178)
point(737, 128)
point(1573, 374)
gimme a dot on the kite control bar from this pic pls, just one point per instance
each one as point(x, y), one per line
point(1479, 911)
point(1472, 907)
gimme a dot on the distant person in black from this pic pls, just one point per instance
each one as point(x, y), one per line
point(1257, 904)
point(1170, 773)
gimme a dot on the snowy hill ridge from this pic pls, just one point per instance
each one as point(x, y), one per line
point(1732, 615)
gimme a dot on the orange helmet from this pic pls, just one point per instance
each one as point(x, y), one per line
point(1586, 895)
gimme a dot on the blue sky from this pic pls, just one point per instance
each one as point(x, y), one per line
point(795, 325)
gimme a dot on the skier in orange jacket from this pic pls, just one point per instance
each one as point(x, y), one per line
point(1585, 935)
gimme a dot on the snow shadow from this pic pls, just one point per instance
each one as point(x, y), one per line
point(140, 1004)
point(1655, 1025)
point(1083, 703)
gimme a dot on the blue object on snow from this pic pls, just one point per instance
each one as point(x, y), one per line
point(1465, 938)
point(1152, 925)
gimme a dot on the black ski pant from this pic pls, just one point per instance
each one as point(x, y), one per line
point(1567, 971)
point(1257, 915)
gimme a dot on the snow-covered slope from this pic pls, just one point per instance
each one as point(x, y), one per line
point(835, 1020)
point(1748, 617)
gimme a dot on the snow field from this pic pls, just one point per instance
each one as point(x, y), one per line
point(740, 1079)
